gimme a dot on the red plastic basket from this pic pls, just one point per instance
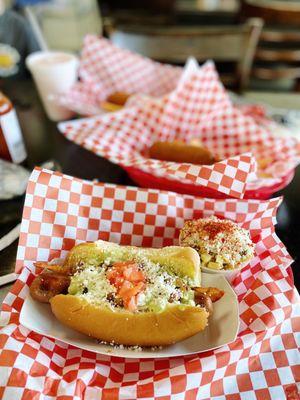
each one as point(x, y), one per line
point(146, 180)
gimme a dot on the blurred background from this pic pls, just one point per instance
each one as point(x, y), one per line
point(256, 43)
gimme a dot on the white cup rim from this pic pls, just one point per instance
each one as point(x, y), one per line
point(37, 55)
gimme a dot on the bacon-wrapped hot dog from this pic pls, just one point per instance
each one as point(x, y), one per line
point(48, 284)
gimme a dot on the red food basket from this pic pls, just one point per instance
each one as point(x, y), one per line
point(199, 108)
point(146, 180)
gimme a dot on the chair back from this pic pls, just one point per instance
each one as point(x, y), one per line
point(175, 44)
point(278, 52)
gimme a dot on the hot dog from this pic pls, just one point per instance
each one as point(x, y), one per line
point(178, 151)
point(128, 295)
point(115, 101)
point(119, 98)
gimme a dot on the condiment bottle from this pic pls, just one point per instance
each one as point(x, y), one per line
point(12, 146)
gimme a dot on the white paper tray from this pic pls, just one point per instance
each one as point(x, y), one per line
point(222, 329)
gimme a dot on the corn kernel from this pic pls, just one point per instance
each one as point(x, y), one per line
point(214, 265)
point(219, 260)
point(205, 258)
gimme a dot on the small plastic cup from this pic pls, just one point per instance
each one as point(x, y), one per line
point(229, 274)
point(54, 73)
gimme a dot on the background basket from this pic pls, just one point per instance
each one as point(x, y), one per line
point(143, 179)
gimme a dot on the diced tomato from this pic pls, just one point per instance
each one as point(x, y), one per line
point(111, 274)
point(140, 286)
point(133, 291)
point(125, 289)
point(137, 276)
point(129, 281)
point(127, 272)
point(118, 282)
point(131, 305)
point(127, 285)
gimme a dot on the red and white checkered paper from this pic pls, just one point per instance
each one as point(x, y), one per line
point(61, 211)
point(105, 69)
point(199, 108)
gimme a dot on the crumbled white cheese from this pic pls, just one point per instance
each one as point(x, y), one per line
point(141, 299)
point(162, 288)
point(91, 283)
point(124, 347)
point(154, 348)
point(120, 346)
point(107, 261)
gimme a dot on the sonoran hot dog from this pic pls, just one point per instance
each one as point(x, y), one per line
point(130, 295)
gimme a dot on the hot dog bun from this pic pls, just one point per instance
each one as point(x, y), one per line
point(173, 324)
point(183, 261)
point(178, 151)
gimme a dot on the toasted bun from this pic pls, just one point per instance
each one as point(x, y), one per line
point(173, 324)
point(182, 261)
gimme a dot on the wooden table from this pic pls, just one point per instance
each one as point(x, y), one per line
point(43, 142)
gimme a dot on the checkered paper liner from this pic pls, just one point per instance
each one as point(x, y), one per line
point(60, 211)
point(106, 68)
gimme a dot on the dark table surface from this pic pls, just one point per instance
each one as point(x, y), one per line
point(44, 142)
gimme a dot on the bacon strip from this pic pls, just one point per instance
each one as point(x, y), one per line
point(60, 269)
point(215, 294)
